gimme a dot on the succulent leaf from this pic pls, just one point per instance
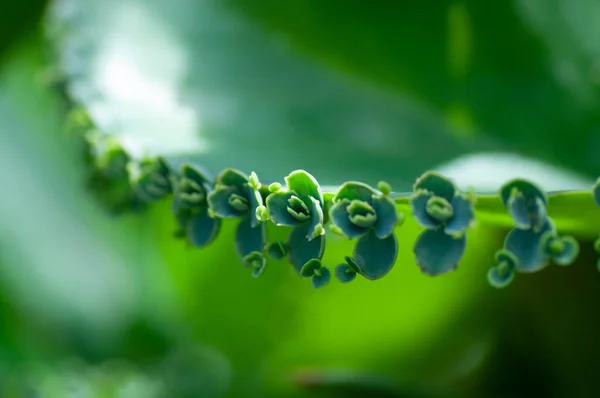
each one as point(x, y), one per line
point(527, 189)
point(387, 216)
point(302, 250)
point(353, 190)
point(202, 229)
point(233, 178)
point(499, 277)
point(277, 205)
point(316, 220)
point(526, 245)
point(562, 249)
point(418, 203)
point(249, 239)
point(440, 209)
point(311, 268)
point(344, 273)
point(220, 202)
point(437, 184)
point(305, 186)
point(375, 257)
point(464, 214)
point(340, 216)
point(437, 252)
point(322, 279)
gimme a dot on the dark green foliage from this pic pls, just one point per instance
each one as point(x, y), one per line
point(151, 178)
point(375, 256)
point(190, 206)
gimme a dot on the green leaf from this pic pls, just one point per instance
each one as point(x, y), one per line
point(437, 252)
point(387, 216)
point(526, 245)
point(277, 204)
point(340, 216)
point(525, 187)
point(344, 273)
point(353, 190)
point(437, 184)
point(464, 215)
point(302, 250)
point(309, 269)
point(219, 202)
point(249, 239)
point(319, 281)
point(202, 229)
point(418, 204)
point(316, 220)
point(305, 185)
point(233, 178)
point(500, 278)
point(375, 257)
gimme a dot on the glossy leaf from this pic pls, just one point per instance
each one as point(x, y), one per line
point(249, 239)
point(301, 250)
point(437, 252)
point(202, 229)
point(353, 190)
point(316, 220)
point(305, 185)
point(375, 257)
point(277, 205)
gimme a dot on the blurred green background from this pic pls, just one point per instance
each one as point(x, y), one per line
point(96, 305)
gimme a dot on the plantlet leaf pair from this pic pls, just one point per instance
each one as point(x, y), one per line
point(359, 211)
point(445, 213)
point(300, 205)
point(237, 196)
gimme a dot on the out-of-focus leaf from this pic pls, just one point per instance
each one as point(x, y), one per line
point(398, 88)
point(217, 87)
point(17, 19)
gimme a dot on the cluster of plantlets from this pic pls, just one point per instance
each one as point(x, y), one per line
point(357, 211)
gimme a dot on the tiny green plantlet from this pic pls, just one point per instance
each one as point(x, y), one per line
point(445, 213)
point(190, 206)
point(236, 195)
point(360, 212)
point(355, 211)
point(299, 205)
point(151, 178)
point(533, 242)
